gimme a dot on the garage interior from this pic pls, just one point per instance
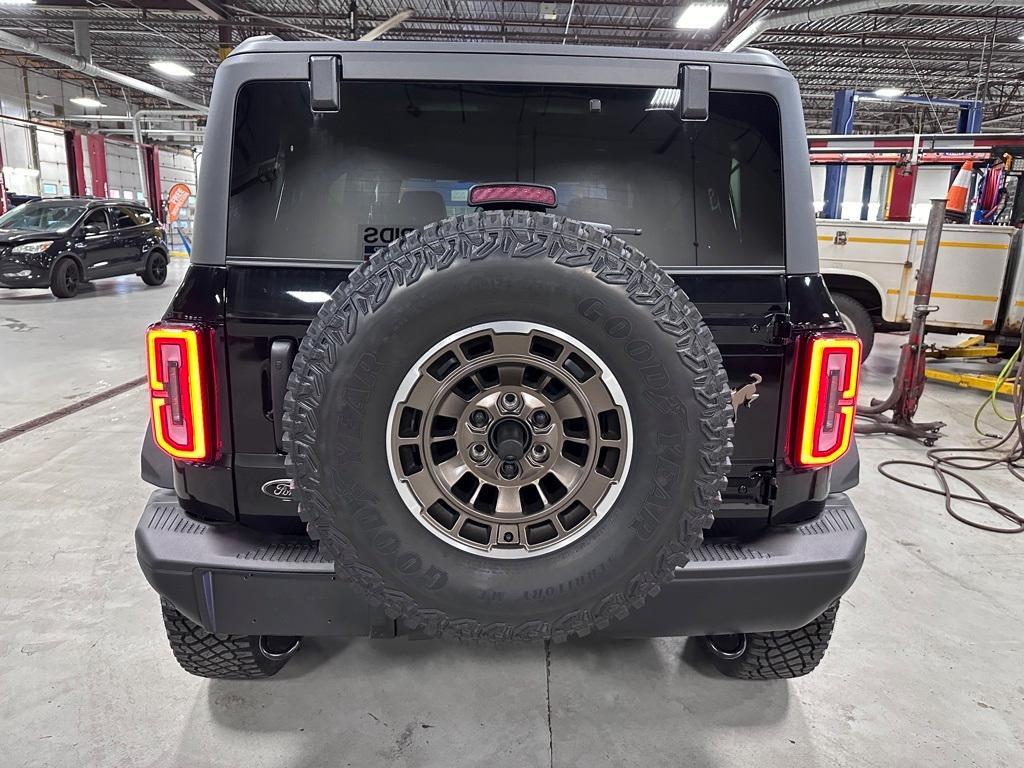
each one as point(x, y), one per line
point(902, 101)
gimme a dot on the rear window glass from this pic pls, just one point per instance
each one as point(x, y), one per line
point(338, 186)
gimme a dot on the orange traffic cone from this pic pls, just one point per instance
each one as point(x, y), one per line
point(956, 200)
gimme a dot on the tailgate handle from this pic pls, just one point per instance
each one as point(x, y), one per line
point(282, 354)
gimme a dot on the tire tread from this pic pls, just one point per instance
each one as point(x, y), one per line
point(784, 655)
point(204, 654)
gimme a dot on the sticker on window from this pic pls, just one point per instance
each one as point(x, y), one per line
point(377, 237)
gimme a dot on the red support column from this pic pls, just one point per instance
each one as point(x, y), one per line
point(76, 162)
point(153, 193)
point(98, 164)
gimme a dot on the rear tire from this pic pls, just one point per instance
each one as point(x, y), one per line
point(65, 279)
point(857, 320)
point(224, 657)
point(155, 272)
point(773, 655)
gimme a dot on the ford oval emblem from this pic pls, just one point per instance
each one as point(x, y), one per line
point(278, 489)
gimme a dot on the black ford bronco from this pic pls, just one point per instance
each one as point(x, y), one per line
point(503, 343)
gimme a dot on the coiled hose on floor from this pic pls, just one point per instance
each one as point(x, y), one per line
point(1008, 450)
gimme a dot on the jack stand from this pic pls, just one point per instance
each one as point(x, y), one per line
point(910, 375)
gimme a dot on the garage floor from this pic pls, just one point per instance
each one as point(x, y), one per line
point(925, 667)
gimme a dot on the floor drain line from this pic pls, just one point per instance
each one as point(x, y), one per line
point(75, 407)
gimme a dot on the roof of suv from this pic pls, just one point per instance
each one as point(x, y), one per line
point(274, 44)
point(89, 200)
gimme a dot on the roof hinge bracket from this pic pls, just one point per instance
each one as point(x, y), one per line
point(325, 83)
point(694, 91)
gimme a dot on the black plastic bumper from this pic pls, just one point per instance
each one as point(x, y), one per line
point(233, 580)
point(17, 275)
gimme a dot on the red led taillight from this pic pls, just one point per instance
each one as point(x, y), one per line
point(826, 398)
point(178, 391)
point(503, 194)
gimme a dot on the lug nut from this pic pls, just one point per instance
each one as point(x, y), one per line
point(540, 419)
point(479, 418)
point(509, 470)
point(509, 536)
point(539, 451)
point(509, 401)
point(478, 451)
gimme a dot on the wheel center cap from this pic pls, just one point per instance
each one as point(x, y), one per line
point(509, 438)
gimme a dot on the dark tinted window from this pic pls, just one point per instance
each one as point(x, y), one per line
point(98, 217)
point(125, 217)
point(338, 186)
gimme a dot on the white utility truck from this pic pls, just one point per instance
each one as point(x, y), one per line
point(870, 267)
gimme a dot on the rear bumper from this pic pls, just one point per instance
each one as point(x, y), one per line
point(233, 580)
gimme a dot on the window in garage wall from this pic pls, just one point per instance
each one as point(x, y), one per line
point(178, 167)
point(122, 169)
point(21, 174)
point(53, 161)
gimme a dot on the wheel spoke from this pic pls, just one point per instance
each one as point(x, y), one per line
point(508, 502)
point(452, 470)
point(510, 375)
point(568, 408)
point(510, 345)
point(565, 471)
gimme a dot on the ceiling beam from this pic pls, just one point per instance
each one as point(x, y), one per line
point(212, 9)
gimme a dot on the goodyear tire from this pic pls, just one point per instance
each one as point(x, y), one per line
point(224, 657)
point(774, 655)
point(637, 432)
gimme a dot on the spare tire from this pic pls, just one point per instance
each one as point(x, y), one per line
point(508, 425)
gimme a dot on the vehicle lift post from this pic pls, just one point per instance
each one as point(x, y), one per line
point(910, 376)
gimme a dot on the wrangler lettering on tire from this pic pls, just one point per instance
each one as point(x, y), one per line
point(508, 425)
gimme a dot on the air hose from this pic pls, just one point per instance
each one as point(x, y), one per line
point(1008, 451)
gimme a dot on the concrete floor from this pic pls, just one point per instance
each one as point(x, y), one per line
point(925, 667)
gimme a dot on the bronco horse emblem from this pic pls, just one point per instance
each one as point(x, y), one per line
point(746, 394)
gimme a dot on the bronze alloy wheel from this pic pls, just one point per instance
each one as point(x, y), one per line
point(509, 439)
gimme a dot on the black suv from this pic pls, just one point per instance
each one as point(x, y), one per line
point(60, 243)
point(505, 343)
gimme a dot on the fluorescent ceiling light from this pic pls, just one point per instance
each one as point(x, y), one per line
point(701, 15)
point(87, 101)
point(171, 69)
point(888, 92)
point(17, 2)
point(664, 99)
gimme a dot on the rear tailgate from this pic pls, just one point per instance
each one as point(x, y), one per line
point(268, 304)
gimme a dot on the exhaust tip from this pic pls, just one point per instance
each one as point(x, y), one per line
point(278, 648)
point(726, 647)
